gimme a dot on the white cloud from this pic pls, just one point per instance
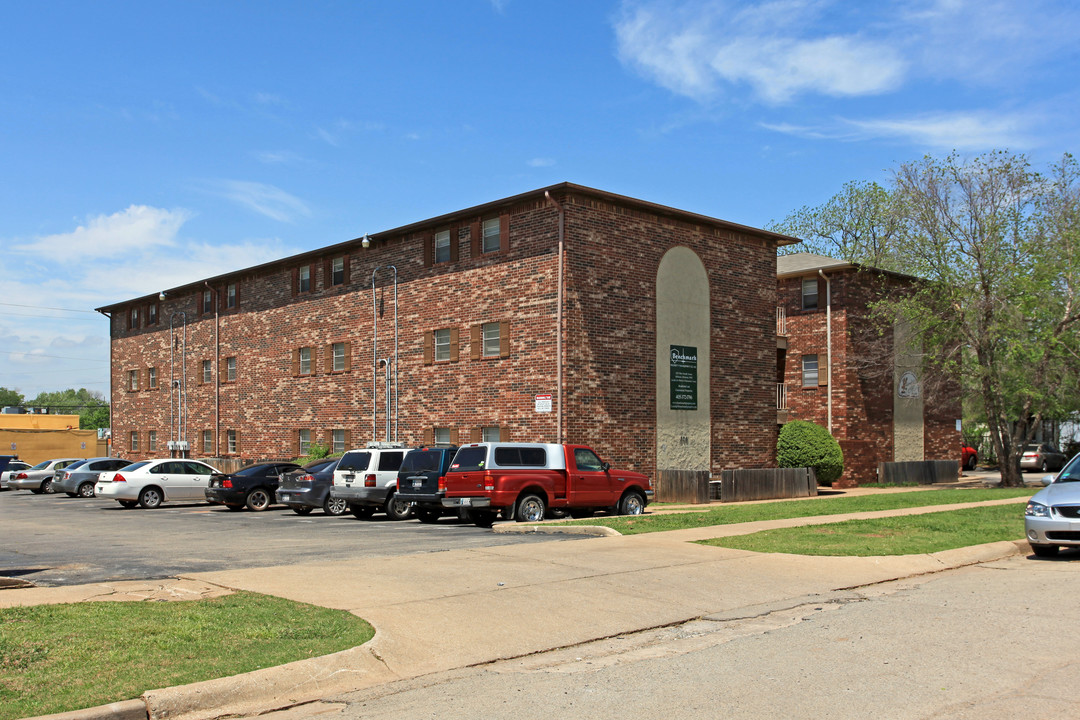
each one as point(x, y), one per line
point(110, 235)
point(541, 162)
point(273, 202)
point(974, 131)
point(276, 157)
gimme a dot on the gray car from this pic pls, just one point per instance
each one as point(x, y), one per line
point(13, 468)
point(1052, 516)
point(1043, 457)
point(77, 479)
point(39, 479)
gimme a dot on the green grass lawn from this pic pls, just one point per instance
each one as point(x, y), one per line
point(904, 535)
point(55, 658)
point(750, 512)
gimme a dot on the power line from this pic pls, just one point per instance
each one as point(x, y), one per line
point(45, 307)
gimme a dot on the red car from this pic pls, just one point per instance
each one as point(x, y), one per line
point(968, 457)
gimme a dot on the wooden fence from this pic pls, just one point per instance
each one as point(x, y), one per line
point(924, 472)
point(766, 484)
point(682, 486)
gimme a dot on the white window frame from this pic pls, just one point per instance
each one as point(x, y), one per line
point(133, 320)
point(133, 380)
point(207, 441)
point(490, 434)
point(490, 240)
point(151, 378)
point(151, 441)
point(337, 271)
point(230, 369)
point(338, 361)
point(303, 279)
point(230, 446)
point(304, 441)
point(230, 296)
point(810, 374)
point(441, 342)
point(441, 436)
point(810, 283)
point(208, 371)
point(490, 338)
point(304, 361)
point(337, 440)
point(442, 246)
point(133, 440)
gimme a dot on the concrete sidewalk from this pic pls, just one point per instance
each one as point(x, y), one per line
point(446, 610)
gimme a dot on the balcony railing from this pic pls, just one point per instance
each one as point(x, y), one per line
point(781, 396)
point(781, 321)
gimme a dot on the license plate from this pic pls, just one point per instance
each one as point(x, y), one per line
point(466, 501)
point(417, 483)
point(285, 498)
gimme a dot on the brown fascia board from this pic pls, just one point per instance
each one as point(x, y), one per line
point(561, 188)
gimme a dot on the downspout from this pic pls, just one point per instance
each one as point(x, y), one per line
point(559, 323)
point(828, 341)
point(108, 441)
point(217, 372)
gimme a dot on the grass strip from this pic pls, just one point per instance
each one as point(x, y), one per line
point(902, 535)
point(55, 658)
point(780, 510)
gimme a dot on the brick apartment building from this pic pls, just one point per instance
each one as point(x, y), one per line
point(864, 385)
point(562, 314)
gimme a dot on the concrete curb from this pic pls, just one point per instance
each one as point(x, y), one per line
point(124, 710)
point(593, 530)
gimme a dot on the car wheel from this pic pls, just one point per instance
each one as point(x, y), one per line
point(335, 506)
point(631, 504)
point(302, 509)
point(47, 486)
point(1044, 550)
point(86, 490)
point(397, 509)
point(530, 508)
point(970, 465)
point(150, 498)
point(128, 503)
point(258, 499)
point(428, 516)
point(1045, 466)
point(361, 511)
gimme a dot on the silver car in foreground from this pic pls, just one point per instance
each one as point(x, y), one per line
point(1052, 516)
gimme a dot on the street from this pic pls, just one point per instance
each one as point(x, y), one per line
point(995, 640)
point(59, 540)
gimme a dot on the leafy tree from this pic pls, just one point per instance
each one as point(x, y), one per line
point(89, 405)
point(859, 224)
point(805, 444)
point(10, 397)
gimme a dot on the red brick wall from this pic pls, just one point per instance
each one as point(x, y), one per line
point(612, 256)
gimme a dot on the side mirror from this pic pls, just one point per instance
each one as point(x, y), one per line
point(1047, 479)
point(605, 466)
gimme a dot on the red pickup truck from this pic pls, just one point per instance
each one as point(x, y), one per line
point(523, 480)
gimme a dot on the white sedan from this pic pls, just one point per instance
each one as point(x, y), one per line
point(152, 482)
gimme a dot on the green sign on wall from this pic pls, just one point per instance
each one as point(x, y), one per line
point(683, 377)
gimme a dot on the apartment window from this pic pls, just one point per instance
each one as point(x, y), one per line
point(441, 436)
point(490, 434)
point(491, 340)
point(442, 246)
point(304, 441)
point(232, 296)
point(490, 236)
point(232, 442)
point(151, 441)
point(208, 442)
point(338, 354)
point(230, 369)
point(207, 301)
point(151, 314)
point(302, 361)
point(337, 271)
point(207, 371)
point(133, 320)
point(303, 280)
point(151, 378)
point(337, 441)
point(442, 345)
point(810, 293)
point(133, 440)
point(809, 370)
point(133, 380)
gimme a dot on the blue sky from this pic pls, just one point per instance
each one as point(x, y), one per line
point(148, 144)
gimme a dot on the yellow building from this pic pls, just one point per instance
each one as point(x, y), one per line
point(34, 437)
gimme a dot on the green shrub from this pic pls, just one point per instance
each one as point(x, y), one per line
point(806, 444)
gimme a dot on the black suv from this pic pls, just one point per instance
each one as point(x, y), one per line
point(422, 480)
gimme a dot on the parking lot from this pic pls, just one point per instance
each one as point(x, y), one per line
point(59, 540)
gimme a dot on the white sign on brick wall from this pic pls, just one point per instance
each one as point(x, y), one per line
point(543, 403)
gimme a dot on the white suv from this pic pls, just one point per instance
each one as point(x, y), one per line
point(367, 480)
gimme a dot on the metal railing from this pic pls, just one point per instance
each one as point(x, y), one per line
point(781, 396)
point(781, 321)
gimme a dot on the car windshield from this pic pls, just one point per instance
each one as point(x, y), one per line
point(354, 461)
point(319, 466)
point(255, 470)
point(136, 466)
point(469, 458)
point(41, 465)
point(1071, 472)
point(76, 464)
point(422, 461)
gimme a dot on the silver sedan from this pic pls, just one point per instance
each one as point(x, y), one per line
point(1052, 516)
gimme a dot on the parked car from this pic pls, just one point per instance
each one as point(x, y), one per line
point(968, 457)
point(367, 480)
point(422, 478)
point(39, 479)
point(152, 482)
point(309, 488)
point(1053, 514)
point(78, 479)
point(253, 487)
point(1043, 457)
point(13, 468)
